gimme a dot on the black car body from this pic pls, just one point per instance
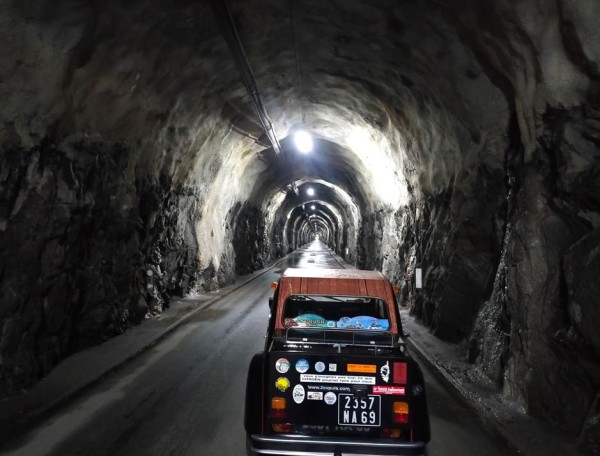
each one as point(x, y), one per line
point(335, 376)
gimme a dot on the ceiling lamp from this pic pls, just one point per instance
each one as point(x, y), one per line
point(310, 191)
point(303, 141)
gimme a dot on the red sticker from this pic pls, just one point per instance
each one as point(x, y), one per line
point(400, 373)
point(393, 390)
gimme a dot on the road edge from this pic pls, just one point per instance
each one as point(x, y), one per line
point(15, 424)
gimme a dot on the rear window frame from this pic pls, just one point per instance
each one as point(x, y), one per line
point(385, 307)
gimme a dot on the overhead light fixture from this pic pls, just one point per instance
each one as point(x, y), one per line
point(313, 207)
point(303, 141)
point(310, 191)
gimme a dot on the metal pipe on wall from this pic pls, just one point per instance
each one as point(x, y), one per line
point(229, 31)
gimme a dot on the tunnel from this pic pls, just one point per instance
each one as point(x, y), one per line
point(147, 151)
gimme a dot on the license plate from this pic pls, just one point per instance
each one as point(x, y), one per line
point(359, 411)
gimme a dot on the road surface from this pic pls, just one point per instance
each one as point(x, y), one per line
point(185, 396)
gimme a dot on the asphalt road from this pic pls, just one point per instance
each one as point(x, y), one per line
point(185, 396)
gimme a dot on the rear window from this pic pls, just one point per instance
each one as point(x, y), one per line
point(336, 312)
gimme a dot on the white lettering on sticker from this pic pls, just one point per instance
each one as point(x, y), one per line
point(385, 372)
point(393, 390)
point(351, 379)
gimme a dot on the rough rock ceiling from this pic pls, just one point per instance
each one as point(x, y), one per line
point(162, 75)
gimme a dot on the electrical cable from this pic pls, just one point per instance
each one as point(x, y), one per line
point(225, 20)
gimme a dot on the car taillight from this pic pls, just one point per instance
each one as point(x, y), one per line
point(391, 433)
point(287, 427)
point(401, 412)
point(278, 407)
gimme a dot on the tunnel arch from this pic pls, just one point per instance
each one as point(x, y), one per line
point(329, 198)
point(326, 212)
point(314, 228)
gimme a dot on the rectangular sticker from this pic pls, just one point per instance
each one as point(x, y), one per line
point(352, 379)
point(335, 388)
point(363, 368)
point(400, 373)
point(393, 390)
point(314, 396)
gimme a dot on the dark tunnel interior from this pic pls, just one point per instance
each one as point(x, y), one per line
point(462, 138)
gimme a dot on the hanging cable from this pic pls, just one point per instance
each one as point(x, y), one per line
point(229, 31)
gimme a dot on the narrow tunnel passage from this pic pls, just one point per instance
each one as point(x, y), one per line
point(462, 140)
point(196, 394)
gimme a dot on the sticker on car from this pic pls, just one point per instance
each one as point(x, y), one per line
point(298, 394)
point(302, 365)
point(282, 384)
point(363, 368)
point(389, 390)
point(330, 398)
point(282, 365)
point(385, 372)
point(351, 379)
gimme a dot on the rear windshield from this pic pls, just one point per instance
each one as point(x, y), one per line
point(339, 312)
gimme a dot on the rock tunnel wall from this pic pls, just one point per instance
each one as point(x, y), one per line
point(511, 275)
point(86, 252)
point(101, 193)
point(509, 246)
point(249, 238)
point(546, 332)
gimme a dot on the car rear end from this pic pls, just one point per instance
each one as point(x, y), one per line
point(327, 402)
point(335, 377)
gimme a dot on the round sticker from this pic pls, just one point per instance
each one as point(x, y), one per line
point(330, 398)
point(302, 365)
point(320, 367)
point(282, 365)
point(298, 394)
point(282, 384)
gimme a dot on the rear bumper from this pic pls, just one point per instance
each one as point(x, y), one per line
point(300, 445)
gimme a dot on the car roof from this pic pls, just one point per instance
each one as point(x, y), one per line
point(343, 282)
point(322, 273)
point(348, 282)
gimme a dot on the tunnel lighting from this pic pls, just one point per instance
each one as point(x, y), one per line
point(303, 141)
point(374, 151)
point(313, 207)
point(310, 191)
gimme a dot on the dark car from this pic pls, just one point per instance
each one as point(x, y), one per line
point(335, 376)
